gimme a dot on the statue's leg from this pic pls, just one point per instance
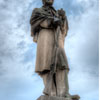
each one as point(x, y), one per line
point(49, 85)
point(62, 83)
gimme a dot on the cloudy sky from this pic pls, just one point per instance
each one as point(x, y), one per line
point(18, 52)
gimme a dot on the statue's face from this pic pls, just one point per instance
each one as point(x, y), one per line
point(48, 2)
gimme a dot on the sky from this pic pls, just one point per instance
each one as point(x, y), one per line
point(18, 81)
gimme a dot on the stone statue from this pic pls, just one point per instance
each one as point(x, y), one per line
point(49, 29)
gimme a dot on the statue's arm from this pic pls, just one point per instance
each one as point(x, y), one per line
point(39, 19)
point(32, 20)
point(64, 25)
point(35, 21)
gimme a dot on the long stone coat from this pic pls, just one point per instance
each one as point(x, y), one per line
point(45, 46)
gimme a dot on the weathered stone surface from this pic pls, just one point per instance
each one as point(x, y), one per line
point(52, 98)
point(44, 97)
point(49, 27)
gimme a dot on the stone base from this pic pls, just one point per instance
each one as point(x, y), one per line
point(44, 97)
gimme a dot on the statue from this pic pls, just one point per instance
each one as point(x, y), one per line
point(49, 29)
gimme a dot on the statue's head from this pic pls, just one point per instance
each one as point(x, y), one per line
point(48, 2)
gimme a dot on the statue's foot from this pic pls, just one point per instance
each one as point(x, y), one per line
point(49, 94)
point(44, 97)
point(67, 96)
point(45, 93)
point(64, 94)
point(53, 94)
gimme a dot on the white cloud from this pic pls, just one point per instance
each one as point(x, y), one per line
point(18, 52)
point(82, 49)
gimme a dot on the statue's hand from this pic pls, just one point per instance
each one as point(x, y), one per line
point(57, 21)
point(62, 13)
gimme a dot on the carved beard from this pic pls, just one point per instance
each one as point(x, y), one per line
point(48, 2)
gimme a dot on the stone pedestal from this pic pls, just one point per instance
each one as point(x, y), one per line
point(44, 97)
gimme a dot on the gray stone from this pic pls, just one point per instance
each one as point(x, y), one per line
point(49, 27)
point(52, 98)
point(45, 97)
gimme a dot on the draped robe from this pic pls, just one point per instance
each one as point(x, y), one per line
point(43, 34)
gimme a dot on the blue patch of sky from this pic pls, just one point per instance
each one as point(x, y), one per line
point(30, 54)
point(71, 7)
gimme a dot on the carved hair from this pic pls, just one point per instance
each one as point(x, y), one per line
point(43, 1)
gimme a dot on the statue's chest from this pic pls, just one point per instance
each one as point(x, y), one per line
point(51, 12)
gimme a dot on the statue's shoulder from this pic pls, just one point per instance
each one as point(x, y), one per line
point(37, 10)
